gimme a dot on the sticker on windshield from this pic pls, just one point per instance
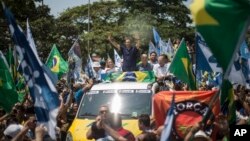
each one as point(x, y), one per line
point(126, 91)
point(93, 92)
point(142, 91)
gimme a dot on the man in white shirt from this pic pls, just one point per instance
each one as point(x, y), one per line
point(97, 72)
point(161, 71)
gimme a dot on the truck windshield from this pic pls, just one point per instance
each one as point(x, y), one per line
point(129, 103)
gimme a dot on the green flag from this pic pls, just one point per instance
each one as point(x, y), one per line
point(223, 24)
point(227, 101)
point(11, 62)
point(8, 94)
point(181, 66)
point(56, 63)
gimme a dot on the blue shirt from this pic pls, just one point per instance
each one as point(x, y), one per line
point(129, 58)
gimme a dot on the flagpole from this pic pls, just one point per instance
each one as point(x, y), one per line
point(88, 22)
point(49, 55)
point(195, 46)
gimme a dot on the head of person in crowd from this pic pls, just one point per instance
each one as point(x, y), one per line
point(95, 57)
point(144, 122)
point(96, 66)
point(153, 57)
point(104, 111)
point(144, 59)
point(162, 60)
point(177, 41)
point(109, 63)
point(201, 136)
point(128, 42)
point(103, 64)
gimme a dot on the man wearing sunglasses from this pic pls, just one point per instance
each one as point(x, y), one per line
point(96, 131)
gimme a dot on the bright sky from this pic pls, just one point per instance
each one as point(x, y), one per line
point(58, 6)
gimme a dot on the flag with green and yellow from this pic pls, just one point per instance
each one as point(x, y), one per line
point(223, 24)
point(8, 94)
point(56, 63)
point(181, 66)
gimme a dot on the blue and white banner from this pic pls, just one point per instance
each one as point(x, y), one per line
point(42, 90)
point(152, 48)
point(74, 54)
point(205, 59)
point(89, 68)
point(169, 121)
point(118, 59)
point(167, 48)
point(30, 38)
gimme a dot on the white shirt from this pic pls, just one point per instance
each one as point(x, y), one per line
point(97, 75)
point(161, 71)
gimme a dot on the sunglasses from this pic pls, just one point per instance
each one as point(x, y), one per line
point(103, 111)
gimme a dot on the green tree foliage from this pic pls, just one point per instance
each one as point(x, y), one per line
point(121, 18)
point(125, 18)
point(41, 22)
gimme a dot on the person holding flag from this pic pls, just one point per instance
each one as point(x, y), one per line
point(130, 53)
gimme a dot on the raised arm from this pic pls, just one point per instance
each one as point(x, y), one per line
point(114, 43)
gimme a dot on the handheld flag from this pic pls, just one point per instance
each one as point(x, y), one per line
point(8, 94)
point(30, 38)
point(206, 61)
point(181, 66)
point(89, 68)
point(118, 59)
point(211, 18)
point(42, 90)
point(228, 106)
point(157, 37)
point(167, 48)
point(152, 48)
point(169, 121)
point(157, 40)
point(75, 55)
point(56, 63)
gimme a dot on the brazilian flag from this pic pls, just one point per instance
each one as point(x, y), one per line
point(181, 66)
point(56, 63)
point(134, 76)
point(223, 24)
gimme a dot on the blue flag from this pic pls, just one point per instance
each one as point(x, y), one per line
point(89, 68)
point(157, 40)
point(118, 59)
point(206, 61)
point(42, 90)
point(167, 48)
point(157, 37)
point(30, 38)
point(169, 121)
point(152, 48)
point(74, 54)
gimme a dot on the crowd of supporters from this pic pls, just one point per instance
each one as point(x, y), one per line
point(20, 123)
